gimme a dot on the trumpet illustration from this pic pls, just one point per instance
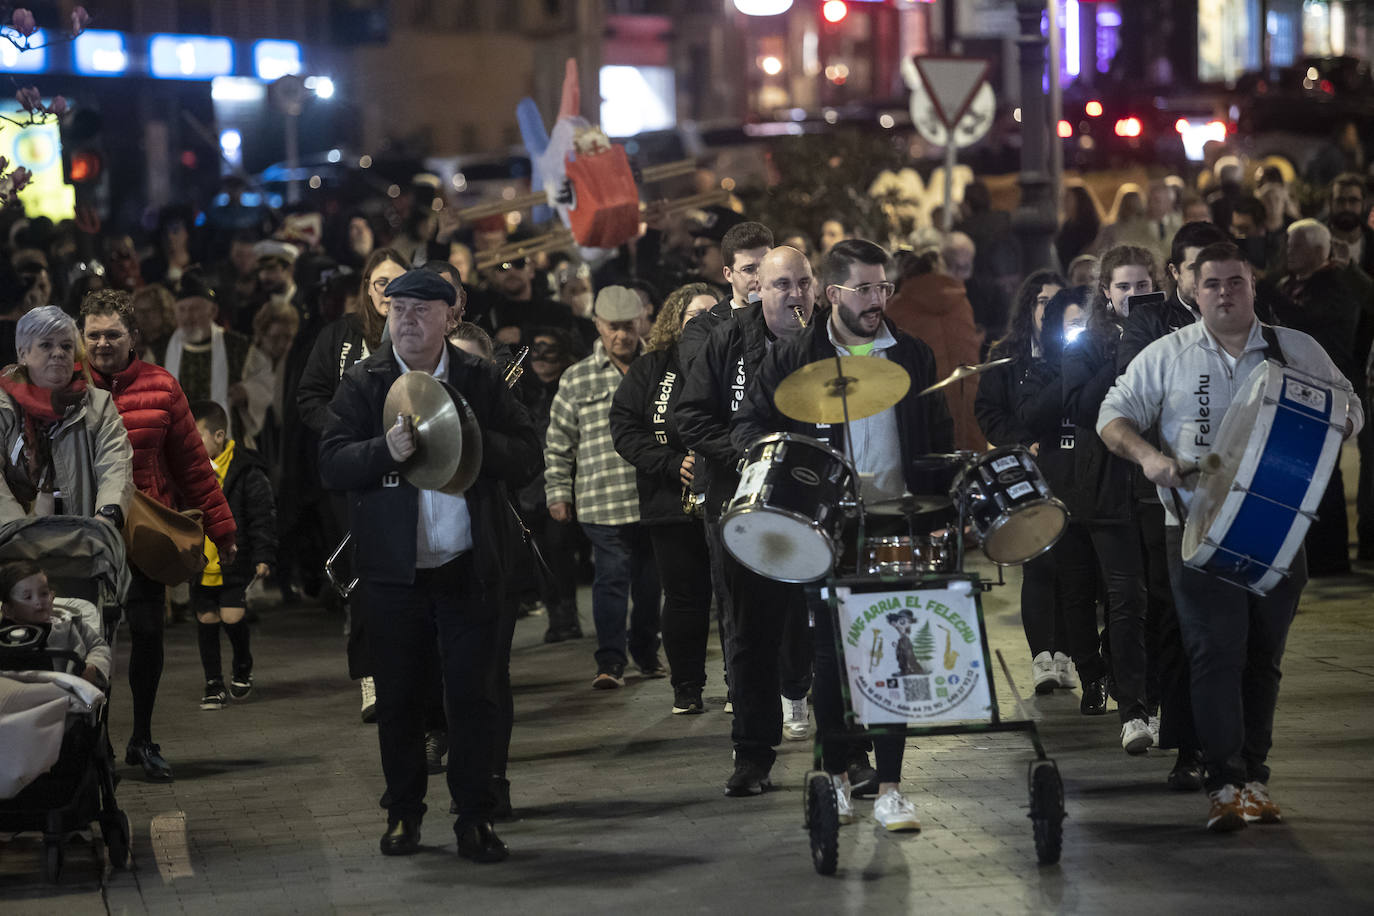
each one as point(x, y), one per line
point(875, 655)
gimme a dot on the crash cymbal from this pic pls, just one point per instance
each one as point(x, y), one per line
point(448, 451)
point(870, 384)
point(909, 504)
point(962, 372)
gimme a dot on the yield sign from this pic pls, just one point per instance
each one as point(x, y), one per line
point(952, 83)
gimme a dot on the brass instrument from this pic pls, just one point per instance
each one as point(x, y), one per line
point(801, 316)
point(691, 503)
point(515, 369)
point(950, 655)
point(875, 655)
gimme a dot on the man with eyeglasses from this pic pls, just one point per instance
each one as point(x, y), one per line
point(764, 621)
point(885, 448)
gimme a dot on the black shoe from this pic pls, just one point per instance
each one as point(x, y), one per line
point(1094, 702)
point(477, 840)
point(1186, 776)
point(214, 697)
point(749, 778)
point(402, 837)
point(241, 684)
point(651, 667)
point(863, 779)
point(436, 746)
point(687, 700)
point(149, 756)
point(609, 676)
point(500, 790)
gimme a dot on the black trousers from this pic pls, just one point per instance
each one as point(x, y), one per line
point(557, 543)
point(143, 607)
point(1235, 643)
point(720, 587)
point(1059, 602)
point(1364, 491)
point(1167, 676)
point(1328, 540)
point(1121, 555)
point(444, 607)
point(684, 573)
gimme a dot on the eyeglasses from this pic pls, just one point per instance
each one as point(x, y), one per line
point(883, 290)
point(381, 283)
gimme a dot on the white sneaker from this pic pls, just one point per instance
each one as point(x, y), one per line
point(842, 801)
point(894, 812)
point(1153, 724)
point(1135, 736)
point(796, 719)
point(1043, 674)
point(1065, 671)
point(369, 710)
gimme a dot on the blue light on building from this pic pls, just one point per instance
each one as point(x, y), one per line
point(190, 57)
point(274, 59)
point(100, 53)
point(13, 60)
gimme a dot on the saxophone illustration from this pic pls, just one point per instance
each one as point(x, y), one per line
point(950, 655)
point(875, 655)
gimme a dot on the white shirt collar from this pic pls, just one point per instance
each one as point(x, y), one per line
point(440, 371)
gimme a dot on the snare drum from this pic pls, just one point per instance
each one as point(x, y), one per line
point(1010, 505)
point(905, 556)
point(784, 521)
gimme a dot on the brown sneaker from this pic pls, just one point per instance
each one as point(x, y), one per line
point(1256, 804)
point(1226, 813)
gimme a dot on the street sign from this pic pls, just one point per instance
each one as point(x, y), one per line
point(952, 83)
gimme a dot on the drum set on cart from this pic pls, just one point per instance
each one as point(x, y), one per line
point(908, 619)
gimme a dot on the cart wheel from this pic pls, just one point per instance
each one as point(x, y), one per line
point(114, 830)
point(52, 861)
point(1047, 813)
point(823, 822)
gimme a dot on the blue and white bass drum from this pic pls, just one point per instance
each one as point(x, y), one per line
point(1275, 451)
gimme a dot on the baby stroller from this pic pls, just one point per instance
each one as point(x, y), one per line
point(46, 712)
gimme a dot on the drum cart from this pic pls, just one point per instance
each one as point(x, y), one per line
point(1045, 788)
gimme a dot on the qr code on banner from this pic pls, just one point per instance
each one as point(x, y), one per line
point(916, 689)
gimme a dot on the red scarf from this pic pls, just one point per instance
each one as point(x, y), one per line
point(39, 408)
point(46, 404)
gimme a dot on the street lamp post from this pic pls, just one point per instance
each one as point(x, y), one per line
point(1036, 219)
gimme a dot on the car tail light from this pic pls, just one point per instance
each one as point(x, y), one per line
point(1065, 129)
point(1093, 109)
point(1129, 127)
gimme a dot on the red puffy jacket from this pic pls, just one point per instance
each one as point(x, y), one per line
point(170, 463)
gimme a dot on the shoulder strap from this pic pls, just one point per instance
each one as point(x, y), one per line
point(1272, 350)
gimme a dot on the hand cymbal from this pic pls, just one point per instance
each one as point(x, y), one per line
point(908, 504)
point(962, 372)
point(448, 451)
point(870, 384)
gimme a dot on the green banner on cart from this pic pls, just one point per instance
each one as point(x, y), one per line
point(915, 657)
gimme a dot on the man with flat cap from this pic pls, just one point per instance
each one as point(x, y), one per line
point(430, 563)
point(586, 476)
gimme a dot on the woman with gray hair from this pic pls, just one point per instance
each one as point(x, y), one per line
point(65, 451)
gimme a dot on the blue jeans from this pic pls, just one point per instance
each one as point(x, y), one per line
point(624, 561)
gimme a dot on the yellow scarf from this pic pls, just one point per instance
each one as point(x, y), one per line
point(212, 574)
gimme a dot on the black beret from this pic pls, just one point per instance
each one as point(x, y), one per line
point(422, 284)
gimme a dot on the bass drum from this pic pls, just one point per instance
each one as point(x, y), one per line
point(1010, 505)
point(784, 521)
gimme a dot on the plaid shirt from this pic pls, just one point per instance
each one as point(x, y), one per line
point(581, 465)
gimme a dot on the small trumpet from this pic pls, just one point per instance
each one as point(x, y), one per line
point(514, 369)
point(801, 316)
point(690, 503)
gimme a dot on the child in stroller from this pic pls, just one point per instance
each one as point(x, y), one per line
point(56, 767)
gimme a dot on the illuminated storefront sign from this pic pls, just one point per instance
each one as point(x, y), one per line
point(100, 53)
point(190, 57)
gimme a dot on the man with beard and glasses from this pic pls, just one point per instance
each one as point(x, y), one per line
point(884, 448)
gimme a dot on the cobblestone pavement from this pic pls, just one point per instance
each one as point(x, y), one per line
point(620, 808)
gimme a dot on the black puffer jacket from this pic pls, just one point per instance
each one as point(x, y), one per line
point(383, 506)
point(995, 407)
point(644, 427)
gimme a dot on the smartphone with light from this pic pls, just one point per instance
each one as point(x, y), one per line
point(1134, 302)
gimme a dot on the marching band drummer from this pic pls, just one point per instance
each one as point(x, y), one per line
point(1234, 638)
point(429, 562)
point(854, 278)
